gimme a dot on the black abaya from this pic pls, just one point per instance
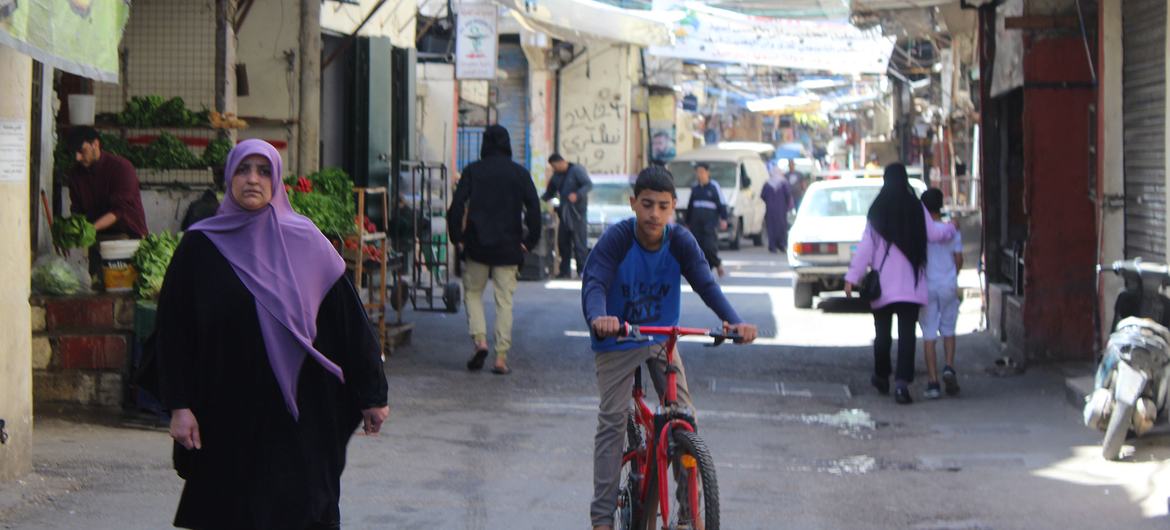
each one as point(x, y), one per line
point(258, 467)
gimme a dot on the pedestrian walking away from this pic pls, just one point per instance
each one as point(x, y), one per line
point(797, 182)
point(707, 214)
point(777, 197)
point(894, 245)
point(572, 184)
point(941, 313)
point(634, 276)
point(494, 219)
point(265, 357)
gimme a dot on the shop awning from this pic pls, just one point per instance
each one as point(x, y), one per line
point(587, 20)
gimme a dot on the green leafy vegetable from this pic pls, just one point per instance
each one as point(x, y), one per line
point(216, 153)
point(151, 260)
point(55, 276)
point(73, 232)
point(154, 111)
point(169, 152)
point(327, 201)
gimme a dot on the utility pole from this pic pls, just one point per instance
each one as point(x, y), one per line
point(225, 62)
point(309, 118)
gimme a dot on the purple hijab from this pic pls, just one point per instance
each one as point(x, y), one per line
point(285, 262)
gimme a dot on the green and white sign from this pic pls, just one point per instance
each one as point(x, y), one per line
point(78, 36)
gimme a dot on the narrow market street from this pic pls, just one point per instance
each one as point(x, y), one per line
point(799, 438)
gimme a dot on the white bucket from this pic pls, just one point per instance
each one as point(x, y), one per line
point(82, 108)
point(118, 273)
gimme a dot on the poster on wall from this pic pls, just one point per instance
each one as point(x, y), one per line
point(705, 33)
point(77, 36)
point(475, 41)
point(662, 142)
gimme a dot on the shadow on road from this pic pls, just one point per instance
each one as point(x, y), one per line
point(843, 305)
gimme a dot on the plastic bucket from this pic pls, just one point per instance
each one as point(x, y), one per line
point(118, 273)
point(82, 108)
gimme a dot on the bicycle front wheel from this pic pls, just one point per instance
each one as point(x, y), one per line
point(694, 484)
point(629, 514)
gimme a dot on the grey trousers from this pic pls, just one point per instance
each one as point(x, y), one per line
point(615, 381)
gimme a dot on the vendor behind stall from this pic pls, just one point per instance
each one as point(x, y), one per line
point(104, 188)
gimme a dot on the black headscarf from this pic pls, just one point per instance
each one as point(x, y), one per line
point(496, 141)
point(897, 216)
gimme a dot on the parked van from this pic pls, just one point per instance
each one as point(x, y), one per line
point(741, 174)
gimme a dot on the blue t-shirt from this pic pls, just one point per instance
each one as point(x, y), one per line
point(625, 280)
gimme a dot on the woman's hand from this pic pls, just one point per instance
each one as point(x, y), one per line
point(185, 429)
point(848, 290)
point(373, 418)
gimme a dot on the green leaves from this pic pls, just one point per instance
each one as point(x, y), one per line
point(329, 204)
point(169, 152)
point(151, 260)
point(154, 111)
point(73, 232)
point(217, 152)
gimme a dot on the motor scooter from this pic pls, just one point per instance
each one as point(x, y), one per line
point(1134, 373)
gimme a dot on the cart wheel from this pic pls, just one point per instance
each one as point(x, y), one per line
point(451, 296)
point(398, 295)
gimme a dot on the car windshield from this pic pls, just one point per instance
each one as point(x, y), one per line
point(839, 202)
point(721, 172)
point(611, 193)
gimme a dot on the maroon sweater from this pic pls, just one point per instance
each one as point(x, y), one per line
point(110, 185)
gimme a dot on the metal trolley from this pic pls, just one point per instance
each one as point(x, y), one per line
point(420, 214)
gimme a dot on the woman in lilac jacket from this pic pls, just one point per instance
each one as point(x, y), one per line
point(894, 244)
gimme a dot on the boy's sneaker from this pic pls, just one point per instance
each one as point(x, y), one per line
point(882, 384)
point(932, 391)
point(902, 395)
point(951, 380)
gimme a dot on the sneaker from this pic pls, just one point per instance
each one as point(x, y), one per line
point(882, 384)
point(951, 380)
point(564, 276)
point(932, 391)
point(902, 395)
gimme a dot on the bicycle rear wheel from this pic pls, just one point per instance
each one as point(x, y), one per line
point(692, 477)
point(629, 513)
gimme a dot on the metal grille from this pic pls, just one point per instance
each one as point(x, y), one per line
point(1144, 106)
point(168, 50)
point(470, 140)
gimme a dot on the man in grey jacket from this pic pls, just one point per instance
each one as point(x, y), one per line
point(572, 183)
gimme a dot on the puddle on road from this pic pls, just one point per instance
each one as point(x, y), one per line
point(849, 421)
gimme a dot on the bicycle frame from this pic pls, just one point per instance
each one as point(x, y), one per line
point(660, 440)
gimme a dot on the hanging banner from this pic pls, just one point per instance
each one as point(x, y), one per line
point(78, 36)
point(707, 34)
point(475, 41)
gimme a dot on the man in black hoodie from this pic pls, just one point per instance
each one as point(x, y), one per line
point(493, 195)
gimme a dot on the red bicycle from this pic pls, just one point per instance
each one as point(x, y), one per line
point(664, 452)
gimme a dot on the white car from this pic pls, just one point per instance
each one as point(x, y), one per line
point(609, 204)
point(828, 227)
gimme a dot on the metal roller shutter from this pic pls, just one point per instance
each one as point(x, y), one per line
point(1144, 105)
point(512, 99)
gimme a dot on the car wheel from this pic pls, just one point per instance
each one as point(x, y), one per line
point(803, 294)
point(758, 239)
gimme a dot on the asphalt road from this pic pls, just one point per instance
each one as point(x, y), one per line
point(799, 438)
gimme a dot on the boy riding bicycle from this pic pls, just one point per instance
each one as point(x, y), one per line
point(633, 275)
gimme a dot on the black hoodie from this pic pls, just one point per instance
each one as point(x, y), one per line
point(495, 193)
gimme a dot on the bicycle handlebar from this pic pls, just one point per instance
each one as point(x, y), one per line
point(635, 333)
